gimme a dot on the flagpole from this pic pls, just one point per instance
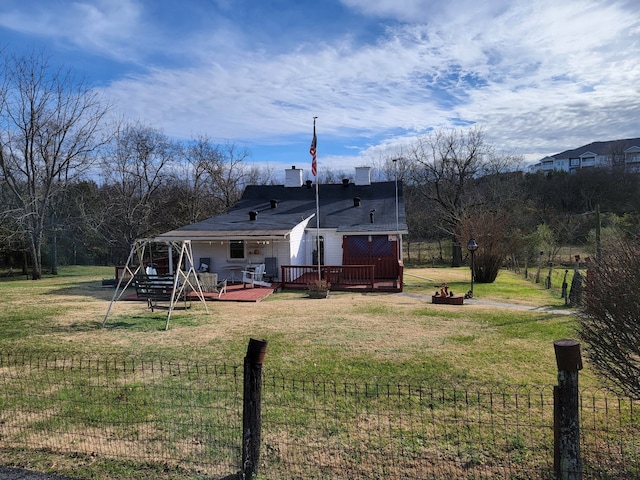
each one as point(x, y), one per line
point(314, 171)
point(318, 228)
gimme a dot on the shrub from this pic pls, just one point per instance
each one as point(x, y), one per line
point(608, 322)
point(319, 286)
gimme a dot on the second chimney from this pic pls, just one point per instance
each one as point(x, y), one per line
point(293, 177)
point(363, 176)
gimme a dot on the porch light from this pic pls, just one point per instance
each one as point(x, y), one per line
point(472, 246)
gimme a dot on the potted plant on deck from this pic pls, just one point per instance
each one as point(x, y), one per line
point(318, 289)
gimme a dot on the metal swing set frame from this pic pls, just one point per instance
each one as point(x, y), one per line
point(183, 279)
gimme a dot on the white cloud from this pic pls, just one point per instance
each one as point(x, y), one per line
point(110, 27)
point(537, 75)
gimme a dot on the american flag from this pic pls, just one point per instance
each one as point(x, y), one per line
point(312, 151)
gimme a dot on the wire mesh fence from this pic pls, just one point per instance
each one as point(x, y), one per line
point(149, 411)
point(396, 431)
point(354, 429)
point(189, 415)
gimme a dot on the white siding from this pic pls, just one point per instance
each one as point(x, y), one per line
point(288, 251)
point(218, 251)
point(213, 250)
point(332, 247)
point(297, 245)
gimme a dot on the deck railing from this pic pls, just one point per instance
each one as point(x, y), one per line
point(339, 276)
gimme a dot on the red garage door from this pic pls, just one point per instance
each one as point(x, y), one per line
point(378, 250)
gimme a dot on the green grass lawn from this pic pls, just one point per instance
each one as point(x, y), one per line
point(382, 335)
point(356, 339)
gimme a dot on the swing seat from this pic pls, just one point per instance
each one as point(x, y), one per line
point(156, 289)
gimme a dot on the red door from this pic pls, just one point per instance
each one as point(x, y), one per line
point(378, 250)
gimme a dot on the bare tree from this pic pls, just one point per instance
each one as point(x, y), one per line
point(494, 233)
point(12, 244)
point(445, 164)
point(204, 161)
point(49, 131)
point(218, 176)
point(421, 219)
point(234, 175)
point(137, 164)
point(608, 323)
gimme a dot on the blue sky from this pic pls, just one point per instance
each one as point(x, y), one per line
point(539, 76)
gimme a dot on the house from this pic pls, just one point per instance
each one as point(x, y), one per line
point(625, 153)
point(360, 224)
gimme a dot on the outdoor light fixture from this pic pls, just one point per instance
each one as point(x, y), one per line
point(399, 244)
point(472, 246)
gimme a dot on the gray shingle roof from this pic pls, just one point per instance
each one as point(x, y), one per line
point(600, 148)
point(294, 204)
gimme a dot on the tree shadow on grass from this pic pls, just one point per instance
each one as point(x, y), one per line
point(93, 289)
point(14, 473)
point(78, 327)
point(10, 473)
point(142, 324)
point(149, 323)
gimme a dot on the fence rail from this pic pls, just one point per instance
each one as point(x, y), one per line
point(340, 276)
point(189, 416)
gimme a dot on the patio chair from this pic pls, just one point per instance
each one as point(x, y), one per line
point(271, 268)
point(253, 276)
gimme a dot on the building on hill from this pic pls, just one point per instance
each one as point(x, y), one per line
point(622, 153)
point(361, 223)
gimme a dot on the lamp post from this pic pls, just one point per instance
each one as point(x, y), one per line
point(399, 243)
point(472, 246)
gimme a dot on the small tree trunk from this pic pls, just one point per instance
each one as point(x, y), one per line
point(54, 254)
point(25, 263)
point(456, 253)
point(36, 266)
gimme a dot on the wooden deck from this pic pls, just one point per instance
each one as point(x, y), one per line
point(356, 278)
point(235, 293)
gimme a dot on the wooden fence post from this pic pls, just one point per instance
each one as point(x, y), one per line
point(251, 409)
point(566, 423)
